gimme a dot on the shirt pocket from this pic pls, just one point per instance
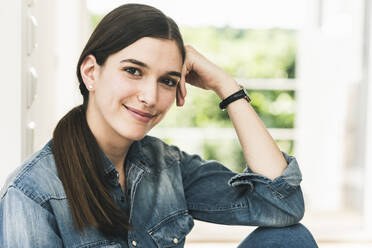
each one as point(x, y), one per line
point(172, 231)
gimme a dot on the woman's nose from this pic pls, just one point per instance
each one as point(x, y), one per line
point(148, 93)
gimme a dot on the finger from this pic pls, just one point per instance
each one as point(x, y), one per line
point(181, 87)
point(183, 80)
point(180, 100)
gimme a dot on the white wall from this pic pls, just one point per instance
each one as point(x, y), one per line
point(43, 59)
point(330, 73)
point(73, 25)
point(10, 97)
point(367, 155)
point(62, 30)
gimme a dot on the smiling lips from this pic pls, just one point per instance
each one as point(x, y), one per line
point(139, 115)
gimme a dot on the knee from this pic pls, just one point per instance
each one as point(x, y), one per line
point(291, 236)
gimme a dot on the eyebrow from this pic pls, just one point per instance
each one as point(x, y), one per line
point(137, 62)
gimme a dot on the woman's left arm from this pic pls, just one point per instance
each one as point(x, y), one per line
point(260, 150)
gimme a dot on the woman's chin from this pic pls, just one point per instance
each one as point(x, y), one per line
point(139, 137)
point(134, 136)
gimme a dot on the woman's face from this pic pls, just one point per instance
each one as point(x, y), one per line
point(134, 88)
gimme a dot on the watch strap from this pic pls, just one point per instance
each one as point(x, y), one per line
point(235, 96)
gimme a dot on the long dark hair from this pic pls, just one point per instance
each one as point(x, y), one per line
point(77, 154)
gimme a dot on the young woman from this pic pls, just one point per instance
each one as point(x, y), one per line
point(102, 182)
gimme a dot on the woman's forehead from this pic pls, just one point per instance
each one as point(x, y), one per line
point(154, 52)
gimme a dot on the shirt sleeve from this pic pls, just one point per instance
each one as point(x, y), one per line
point(216, 194)
point(26, 224)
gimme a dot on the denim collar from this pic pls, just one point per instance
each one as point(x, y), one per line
point(134, 154)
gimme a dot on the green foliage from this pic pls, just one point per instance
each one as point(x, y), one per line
point(95, 19)
point(286, 146)
point(227, 152)
point(246, 53)
point(230, 153)
point(275, 108)
point(201, 110)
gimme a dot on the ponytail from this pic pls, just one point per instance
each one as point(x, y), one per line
point(80, 168)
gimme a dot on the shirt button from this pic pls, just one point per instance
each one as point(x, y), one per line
point(122, 198)
point(134, 243)
point(175, 240)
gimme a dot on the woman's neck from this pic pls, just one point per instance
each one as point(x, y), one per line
point(115, 153)
point(112, 144)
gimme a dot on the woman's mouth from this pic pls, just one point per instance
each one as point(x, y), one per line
point(139, 115)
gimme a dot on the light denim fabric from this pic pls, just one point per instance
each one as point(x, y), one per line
point(166, 189)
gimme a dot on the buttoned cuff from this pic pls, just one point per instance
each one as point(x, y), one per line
point(280, 186)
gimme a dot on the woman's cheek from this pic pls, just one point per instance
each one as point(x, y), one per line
point(124, 87)
point(171, 96)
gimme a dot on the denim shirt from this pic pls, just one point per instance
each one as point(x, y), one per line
point(166, 189)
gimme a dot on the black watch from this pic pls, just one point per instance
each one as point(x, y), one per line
point(236, 96)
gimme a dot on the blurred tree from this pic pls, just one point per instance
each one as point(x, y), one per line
point(230, 153)
point(247, 53)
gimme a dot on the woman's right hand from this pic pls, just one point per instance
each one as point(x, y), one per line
point(200, 72)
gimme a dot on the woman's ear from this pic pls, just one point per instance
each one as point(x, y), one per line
point(87, 69)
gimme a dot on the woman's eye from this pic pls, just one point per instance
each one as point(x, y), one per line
point(133, 71)
point(170, 82)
